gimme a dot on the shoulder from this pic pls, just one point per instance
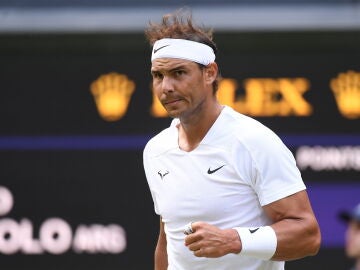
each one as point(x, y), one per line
point(161, 142)
point(250, 132)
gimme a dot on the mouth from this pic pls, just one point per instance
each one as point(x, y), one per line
point(171, 101)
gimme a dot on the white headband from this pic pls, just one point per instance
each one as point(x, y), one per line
point(183, 49)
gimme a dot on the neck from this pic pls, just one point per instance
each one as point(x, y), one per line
point(194, 128)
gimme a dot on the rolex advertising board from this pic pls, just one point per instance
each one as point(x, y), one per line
point(77, 110)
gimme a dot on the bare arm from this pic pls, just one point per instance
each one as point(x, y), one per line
point(295, 225)
point(296, 228)
point(161, 261)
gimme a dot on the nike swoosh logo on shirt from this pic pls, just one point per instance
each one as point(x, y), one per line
point(212, 171)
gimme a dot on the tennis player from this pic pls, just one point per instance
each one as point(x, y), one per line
point(227, 190)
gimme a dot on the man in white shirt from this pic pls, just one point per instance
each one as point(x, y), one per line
point(223, 177)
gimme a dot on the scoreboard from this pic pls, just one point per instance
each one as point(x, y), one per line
point(77, 110)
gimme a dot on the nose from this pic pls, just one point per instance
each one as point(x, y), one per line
point(167, 85)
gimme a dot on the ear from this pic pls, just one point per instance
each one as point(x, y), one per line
point(211, 72)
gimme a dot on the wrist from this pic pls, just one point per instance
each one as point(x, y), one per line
point(258, 242)
point(234, 243)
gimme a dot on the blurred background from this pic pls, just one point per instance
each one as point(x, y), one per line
point(76, 110)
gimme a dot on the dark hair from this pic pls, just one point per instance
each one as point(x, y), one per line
point(180, 25)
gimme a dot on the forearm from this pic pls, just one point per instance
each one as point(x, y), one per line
point(161, 258)
point(296, 238)
point(161, 261)
point(295, 226)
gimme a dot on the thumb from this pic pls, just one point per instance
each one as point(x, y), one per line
point(194, 226)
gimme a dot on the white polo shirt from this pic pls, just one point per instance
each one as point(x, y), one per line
point(238, 167)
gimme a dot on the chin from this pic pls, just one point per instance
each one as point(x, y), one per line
point(173, 113)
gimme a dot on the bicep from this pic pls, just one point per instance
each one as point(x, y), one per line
point(295, 206)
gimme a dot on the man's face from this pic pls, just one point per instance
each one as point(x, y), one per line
point(353, 239)
point(180, 86)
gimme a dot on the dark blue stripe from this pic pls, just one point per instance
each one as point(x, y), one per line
point(73, 142)
point(136, 142)
point(325, 140)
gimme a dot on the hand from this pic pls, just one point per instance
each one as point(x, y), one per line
point(211, 242)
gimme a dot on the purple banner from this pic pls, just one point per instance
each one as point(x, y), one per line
point(328, 200)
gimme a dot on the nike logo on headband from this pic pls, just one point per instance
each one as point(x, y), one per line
point(155, 50)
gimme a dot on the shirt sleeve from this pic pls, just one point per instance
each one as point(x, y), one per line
point(274, 174)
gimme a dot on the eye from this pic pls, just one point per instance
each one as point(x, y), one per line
point(157, 75)
point(179, 72)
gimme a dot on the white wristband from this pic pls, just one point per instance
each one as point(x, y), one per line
point(258, 242)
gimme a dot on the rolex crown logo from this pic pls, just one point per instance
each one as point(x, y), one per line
point(346, 88)
point(112, 93)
